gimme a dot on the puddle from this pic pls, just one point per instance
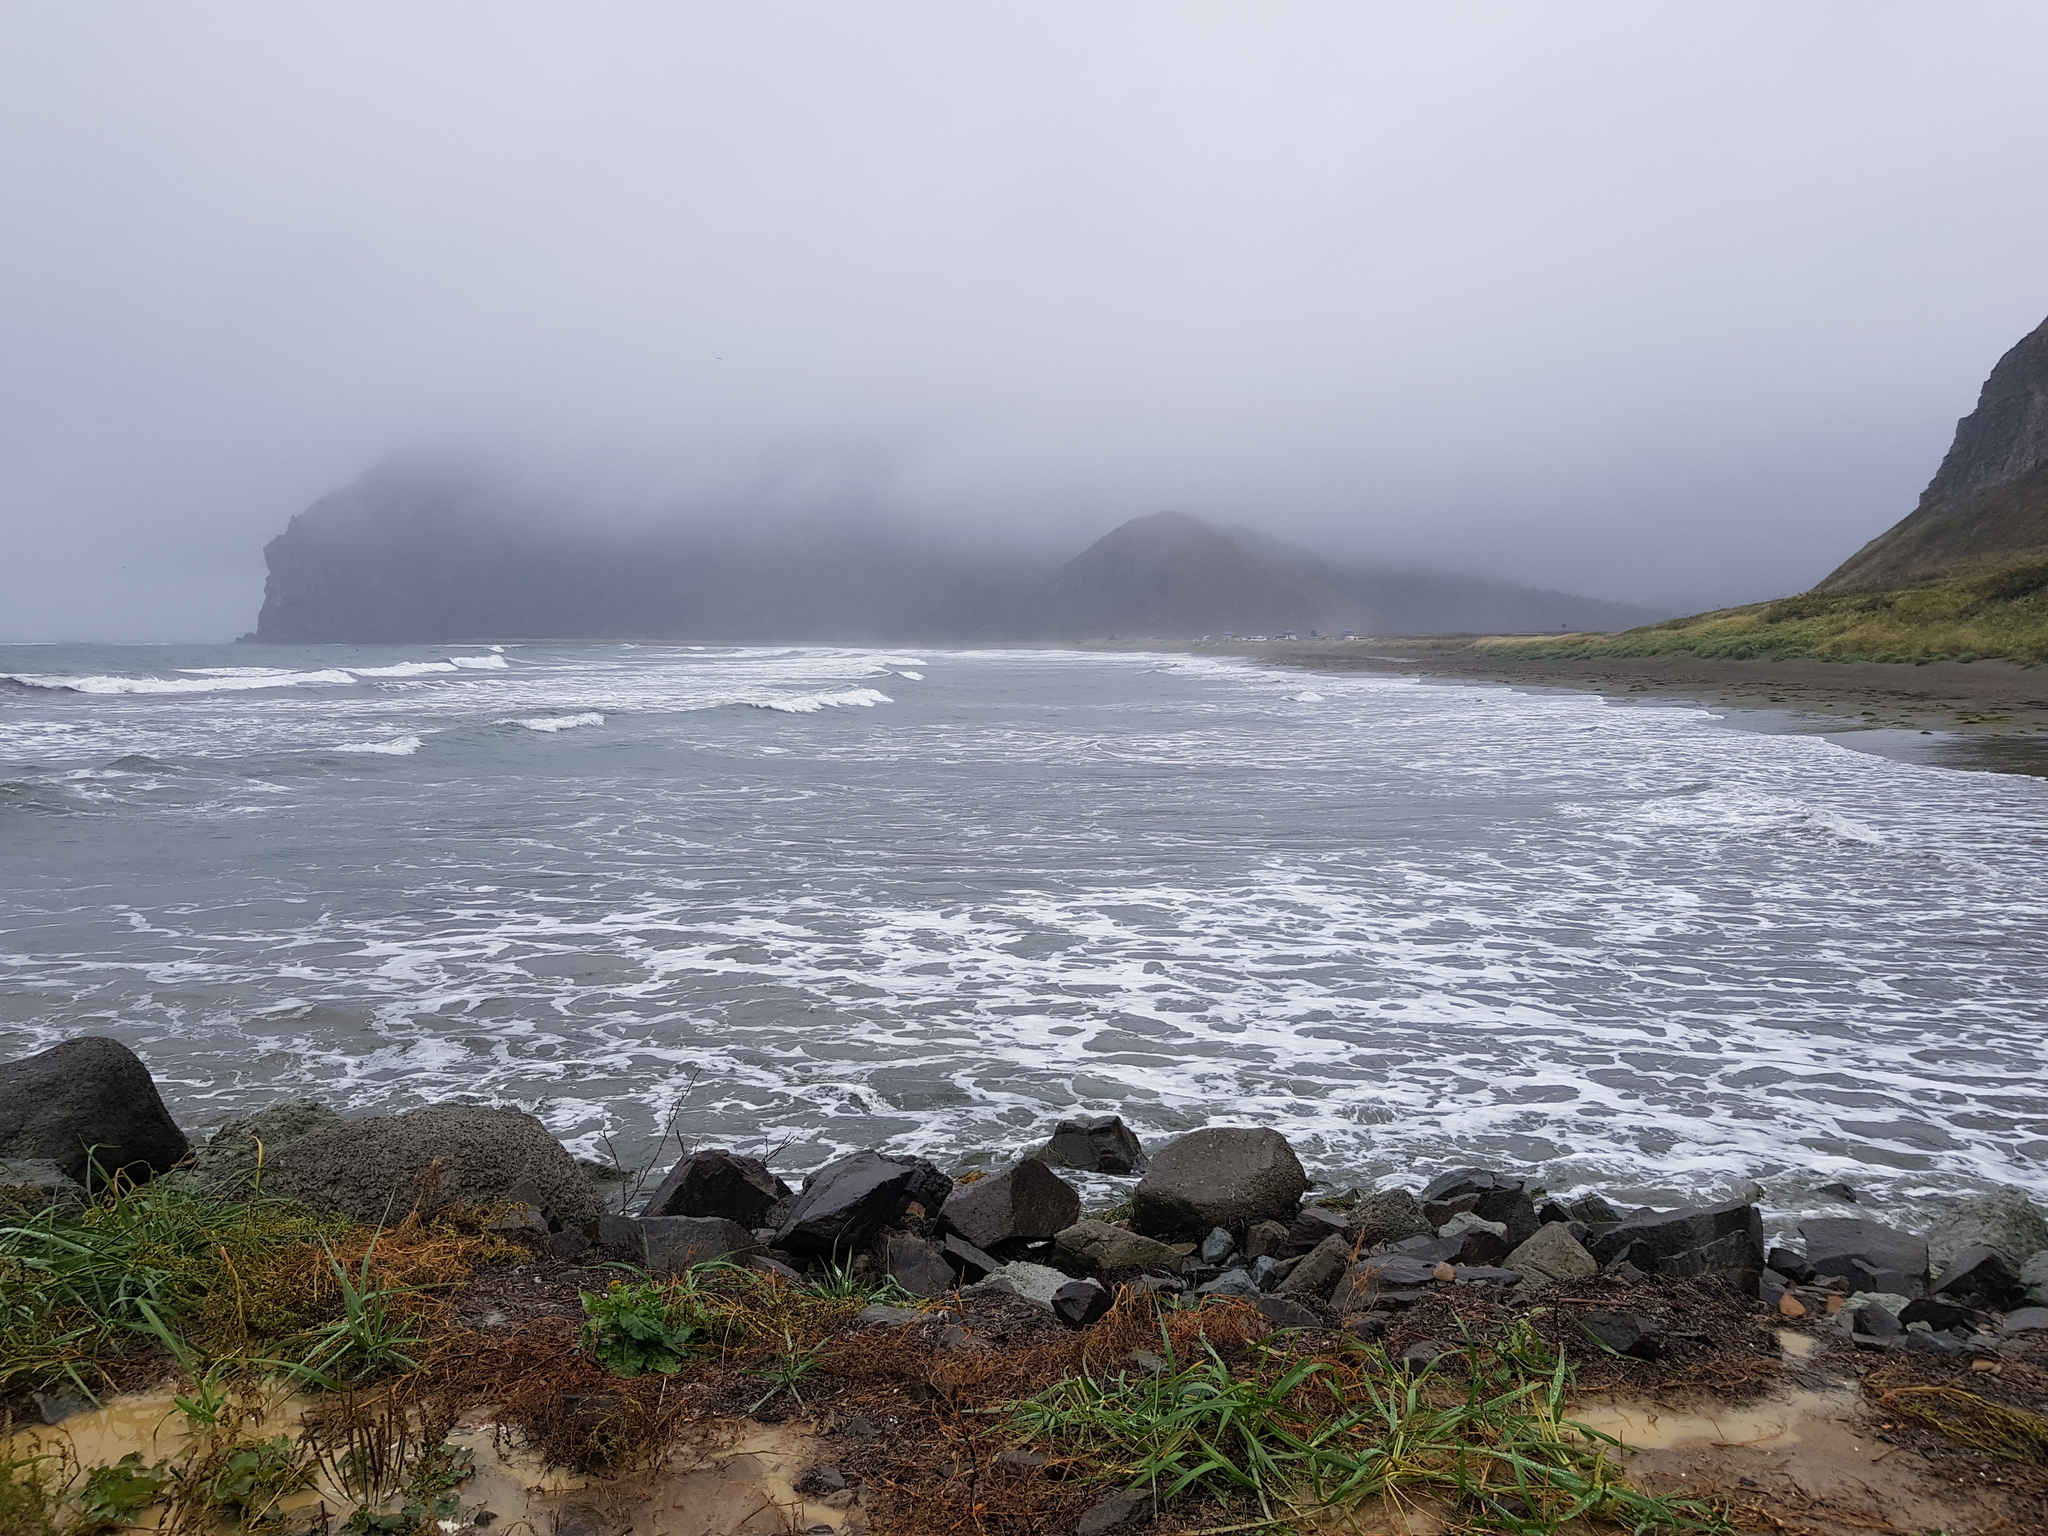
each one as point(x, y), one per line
point(747, 1488)
point(1783, 1419)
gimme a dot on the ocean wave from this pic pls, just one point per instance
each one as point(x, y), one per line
point(558, 722)
point(213, 680)
point(491, 661)
point(811, 703)
point(398, 746)
point(1305, 697)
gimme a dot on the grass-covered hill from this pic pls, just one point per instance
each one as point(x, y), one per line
point(2004, 614)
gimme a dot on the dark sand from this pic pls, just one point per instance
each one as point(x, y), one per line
point(1984, 715)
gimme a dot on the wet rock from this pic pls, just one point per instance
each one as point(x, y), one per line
point(844, 1204)
point(969, 1260)
point(1475, 1240)
point(1080, 1302)
point(1790, 1263)
point(1107, 1514)
point(2005, 1221)
point(1265, 1240)
point(1264, 1272)
point(84, 1103)
point(1937, 1344)
point(1022, 1203)
point(1366, 1281)
point(1648, 1238)
point(916, 1265)
point(1553, 1257)
point(1217, 1246)
point(56, 1407)
point(1226, 1176)
point(378, 1169)
point(1868, 1254)
point(28, 1185)
point(1103, 1144)
point(1594, 1211)
point(1232, 1282)
point(1939, 1315)
point(1318, 1273)
point(1312, 1226)
point(1554, 1210)
point(1982, 1275)
point(1625, 1333)
point(2025, 1320)
point(820, 1482)
point(1876, 1322)
point(1733, 1258)
point(1106, 1247)
point(1370, 1329)
point(1838, 1191)
point(1487, 1194)
point(1388, 1216)
point(1286, 1312)
point(719, 1183)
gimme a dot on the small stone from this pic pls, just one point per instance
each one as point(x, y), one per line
point(916, 1265)
point(1285, 1312)
point(1370, 1329)
point(1034, 1282)
point(1791, 1305)
point(1936, 1343)
point(1837, 1192)
point(1265, 1239)
point(1080, 1302)
point(1623, 1332)
point(1217, 1246)
point(1426, 1354)
point(1552, 1257)
point(1990, 1367)
point(1264, 1272)
point(1118, 1509)
point(820, 1481)
point(1022, 1461)
point(1445, 1272)
point(880, 1316)
point(1232, 1282)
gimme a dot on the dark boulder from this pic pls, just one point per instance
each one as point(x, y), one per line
point(1594, 1211)
point(846, 1203)
point(1491, 1196)
point(1388, 1216)
point(1023, 1203)
point(1226, 1176)
point(673, 1244)
point(1103, 1144)
point(1265, 1239)
point(968, 1259)
point(1868, 1254)
point(1981, 1275)
point(1735, 1258)
point(1876, 1322)
point(83, 1104)
point(917, 1265)
point(1790, 1263)
point(1942, 1315)
point(378, 1169)
point(719, 1183)
point(1649, 1238)
point(1317, 1273)
point(230, 1165)
point(1285, 1312)
point(1623, 1332)
point(1313, 1226)
point(1080, 1302)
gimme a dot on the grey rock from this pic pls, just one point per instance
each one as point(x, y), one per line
point(1388, 1216)
point(1470, 1221)
point(1315, 1223)
point(2034, 1277)
point(30, 1184)
point(2005, 1220)
point(56, 1407)
point(87, 1102)
point(881, 1316)
point(1034, 1282)
point(1937, 1344)
point(1868, 1254)
point(1875, 1321)
point(1024, 1202)
point(968, 1259)
point(1232, 1282)
point(377, 1169)
point(2025, 1320)
point(1317, 1274)
point(1264, 1272)
point(769, 1265)
point(846, 1203)
point(1647, 1237)
point(1490, 1195)
point(1594, 1211)
point(1427, 1355)
point(1485, 1274)
point(1286, 1312)
point(713, 1182)
point(673, 1244)
point(1156, 1285)
point(1107, 1514)
point(1372, 1278)
point(1217, 1246)
point(1623, 1332)
point(1980, 1275)
point(1226, 1176)
point(1265, 1239)
point(916, 1265)
point(1553, 1257)
point(1734, 1258)
point(1102, 1144)
point(1107, 1247)
point(230, 1165)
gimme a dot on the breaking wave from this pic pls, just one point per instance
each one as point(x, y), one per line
point(558, 722)
point(401, 746)
point(811, 703)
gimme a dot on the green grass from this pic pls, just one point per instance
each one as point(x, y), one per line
point(2001, 615)
point(1323, 1434)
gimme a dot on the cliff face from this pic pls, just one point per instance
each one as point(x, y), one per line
point(1987, 506)
point(412, 554)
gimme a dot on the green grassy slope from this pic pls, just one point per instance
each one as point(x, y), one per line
point(2004, 614)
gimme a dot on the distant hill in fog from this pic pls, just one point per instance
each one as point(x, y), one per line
point(411, 554)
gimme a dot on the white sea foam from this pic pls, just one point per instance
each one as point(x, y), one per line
point(811, 703)
point(915, 677)
point(400, 746)
point(486, 663)
point(557, 722)
point(1305, 697)
point(223, 680)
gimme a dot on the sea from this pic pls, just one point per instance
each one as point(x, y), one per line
point(802, 900)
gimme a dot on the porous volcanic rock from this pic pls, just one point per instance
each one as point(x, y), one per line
point(231, 1163)
point(87, 1101)
point(1225, 1176)
point(2004, 1220)
point(377, 1169)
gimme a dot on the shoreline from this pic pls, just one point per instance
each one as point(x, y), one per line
point(1984, 716)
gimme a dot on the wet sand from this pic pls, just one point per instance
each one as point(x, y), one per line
point(1990, 716)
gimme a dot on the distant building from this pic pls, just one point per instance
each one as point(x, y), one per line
point(1286, 634)
point(1349, 634)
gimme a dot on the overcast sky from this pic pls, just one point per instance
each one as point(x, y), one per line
point(1676, 304)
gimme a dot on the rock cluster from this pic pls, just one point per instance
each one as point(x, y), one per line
point(1217, 1212)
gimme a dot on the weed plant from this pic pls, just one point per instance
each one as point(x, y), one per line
point(1324, 1434)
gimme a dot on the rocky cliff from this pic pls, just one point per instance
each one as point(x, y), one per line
point(415, 554)
point(1987, 506)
